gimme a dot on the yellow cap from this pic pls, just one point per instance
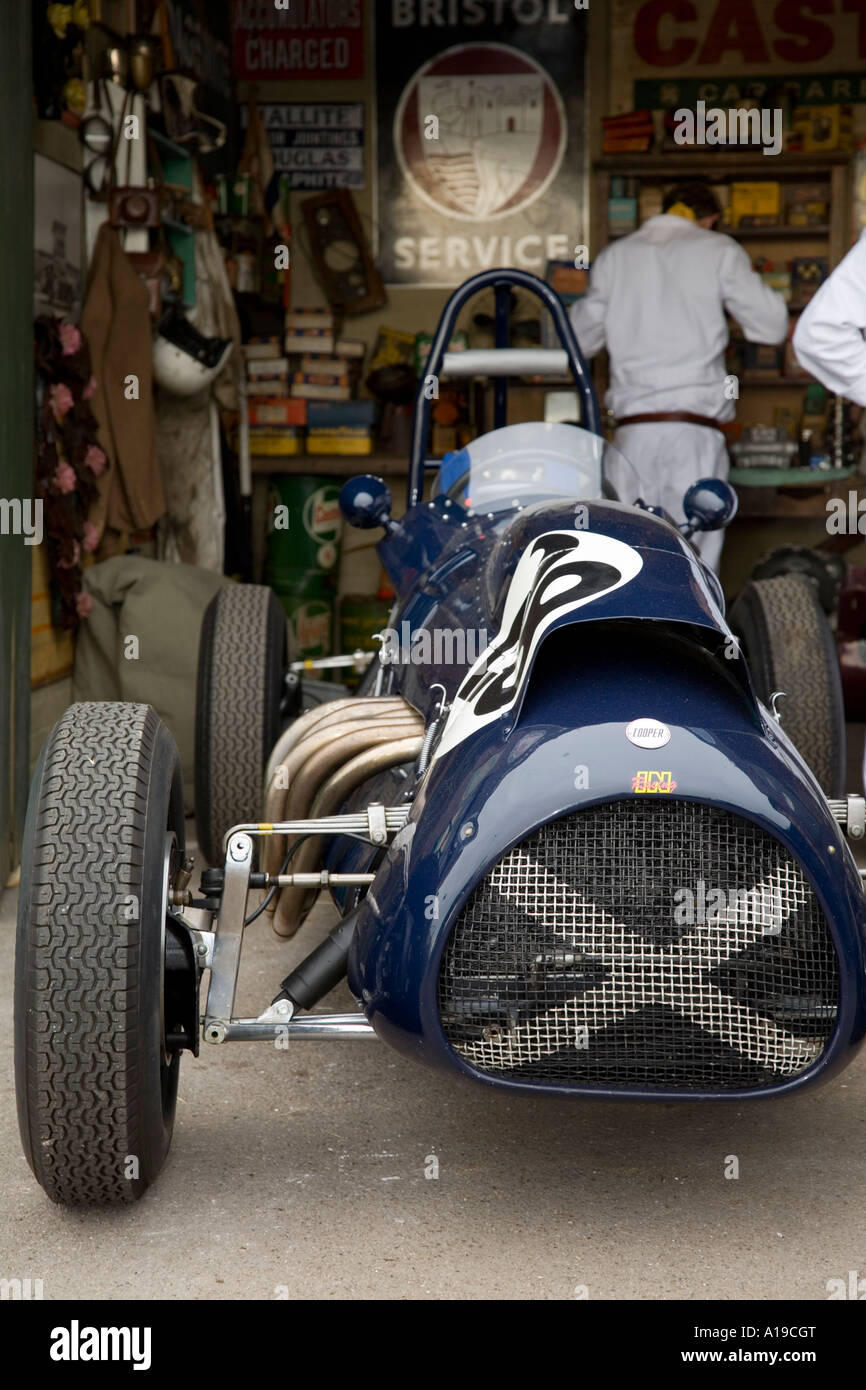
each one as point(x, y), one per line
point(680, 210)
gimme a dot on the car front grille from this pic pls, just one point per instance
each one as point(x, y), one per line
point(642, 945)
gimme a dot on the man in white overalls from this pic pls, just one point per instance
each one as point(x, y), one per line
point(657, 301)
point(829, 340)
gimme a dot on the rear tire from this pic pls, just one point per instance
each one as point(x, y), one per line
point(105, 831)
point(788, 645)
point(243, 659)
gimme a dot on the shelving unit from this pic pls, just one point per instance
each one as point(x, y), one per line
point(778, 243)
point(737, 168)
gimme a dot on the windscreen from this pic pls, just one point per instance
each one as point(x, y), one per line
point(521, 464)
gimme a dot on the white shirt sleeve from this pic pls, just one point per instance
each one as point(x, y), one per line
point(829, 337)
point(588, 313)
point(761, 312)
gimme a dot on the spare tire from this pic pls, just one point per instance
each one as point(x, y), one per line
point(788, 646)
point(242, 664)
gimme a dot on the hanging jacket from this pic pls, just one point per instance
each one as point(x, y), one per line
point(116, 323)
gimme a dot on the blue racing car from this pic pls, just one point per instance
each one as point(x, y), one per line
point(578, 841)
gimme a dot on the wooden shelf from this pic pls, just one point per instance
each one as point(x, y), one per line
point(708, 164)
point(805, 501)
point(331, 465)
point(777, 233)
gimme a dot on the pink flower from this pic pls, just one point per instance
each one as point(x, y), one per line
point(76, 556)
point(61, 399)
point(83, 604)
point(90, 389)
point(70, 339)
point(95, 459)
point(91, 536)
point(64, 477)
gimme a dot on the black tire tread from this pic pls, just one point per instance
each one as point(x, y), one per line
point(78, 1001)
point(241, 665)
point(789, 646)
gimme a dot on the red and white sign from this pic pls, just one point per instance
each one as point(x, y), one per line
point(675, 35)
point(501, 132)
point(310, 40)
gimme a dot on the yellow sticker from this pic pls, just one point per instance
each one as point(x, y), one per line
point(653, 782)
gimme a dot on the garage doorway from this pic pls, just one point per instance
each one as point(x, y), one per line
point(16, 420)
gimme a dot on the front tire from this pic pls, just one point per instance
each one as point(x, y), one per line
point(104, 835)
point(789, 646)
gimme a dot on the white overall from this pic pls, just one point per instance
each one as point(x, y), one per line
point(829, 339)
point(657, 301)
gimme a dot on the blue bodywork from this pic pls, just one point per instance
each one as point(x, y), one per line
point(656, 644)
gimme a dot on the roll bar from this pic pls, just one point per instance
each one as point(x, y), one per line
point(501, 281)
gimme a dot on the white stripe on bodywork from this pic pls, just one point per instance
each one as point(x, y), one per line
point(507, 660)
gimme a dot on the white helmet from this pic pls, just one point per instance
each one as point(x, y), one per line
point(184, 360)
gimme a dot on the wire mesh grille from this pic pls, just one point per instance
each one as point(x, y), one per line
point(646, 946)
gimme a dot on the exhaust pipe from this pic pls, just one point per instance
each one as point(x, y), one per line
point(295, 903)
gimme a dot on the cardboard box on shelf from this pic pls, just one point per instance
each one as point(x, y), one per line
point(340, 442)
point(807, 204)
point(808, 273)
point(262, 348)
point(321, 388)
point(761, 360)
point(335, 415)
point(266, 368)
point(823, 128)
point(755, 200)
point(392, 346)
point(299, 340)
point(321, 319)
point(319, 365)
point(622, 216)
point(277, 410)
point(276, 441)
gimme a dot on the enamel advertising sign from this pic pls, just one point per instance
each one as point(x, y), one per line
point(480, 141)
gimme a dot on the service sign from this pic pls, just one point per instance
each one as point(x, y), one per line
point(313, 40)
point(481, 136)
point(317, 145)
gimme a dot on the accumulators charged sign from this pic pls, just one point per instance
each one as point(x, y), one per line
point(315, 39)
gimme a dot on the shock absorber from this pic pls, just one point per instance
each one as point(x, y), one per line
point(322, 969)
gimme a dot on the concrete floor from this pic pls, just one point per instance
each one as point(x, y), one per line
point(301, 1174)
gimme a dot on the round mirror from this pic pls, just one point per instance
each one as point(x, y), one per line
point(709, 504)
point(366, 501)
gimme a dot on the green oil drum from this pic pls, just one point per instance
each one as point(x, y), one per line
point(308, 598)
point(305, 525)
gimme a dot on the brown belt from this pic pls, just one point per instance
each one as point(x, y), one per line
point(684, 417)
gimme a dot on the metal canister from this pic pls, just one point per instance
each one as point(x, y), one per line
point(305, 525)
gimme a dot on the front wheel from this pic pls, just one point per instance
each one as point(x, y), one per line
point(96, 1066)
point(789, 646)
